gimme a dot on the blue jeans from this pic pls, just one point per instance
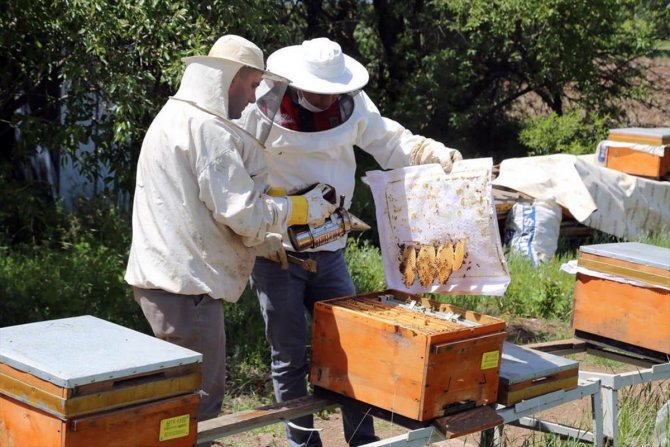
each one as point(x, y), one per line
point(284, 295)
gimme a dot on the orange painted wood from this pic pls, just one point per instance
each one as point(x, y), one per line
point(455, 375)
point(636, 162)
point(638, 316)
point(368, 360)
point(24, 426)
point(137, 425)
point(405, 362)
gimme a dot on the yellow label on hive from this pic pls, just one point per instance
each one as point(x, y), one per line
point(175, 427)
point(490, 359)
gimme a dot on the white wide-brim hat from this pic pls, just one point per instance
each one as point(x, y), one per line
point(238, 50)
point(319, 66)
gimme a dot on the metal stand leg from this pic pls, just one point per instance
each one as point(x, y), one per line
point(611, 409)
point(597, 411)
point(487, 438)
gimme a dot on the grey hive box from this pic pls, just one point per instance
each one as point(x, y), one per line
point(84, 381)
point(527, 373)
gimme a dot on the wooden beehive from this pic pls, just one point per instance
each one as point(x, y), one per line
point(421, 361)
point(83, 381)
point(526, 373)
point(630, 308)
point(636, 162)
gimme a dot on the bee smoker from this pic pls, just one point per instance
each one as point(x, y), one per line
point(338, 224)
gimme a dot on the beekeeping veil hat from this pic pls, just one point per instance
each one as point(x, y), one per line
point(319, 66)
point(207, 79)
point(236, 49)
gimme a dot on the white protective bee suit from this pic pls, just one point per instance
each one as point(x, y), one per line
point(198, 210)
point(199, 202)
point(296, 159)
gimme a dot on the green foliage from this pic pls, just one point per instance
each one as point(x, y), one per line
point(28, 213)
point(247, 350)
point(77, 279)
point(454, 70)
point(365, 266)
point(637, 413)
point(572, 133)
point(77, 271)
point(79, 72)
point(540, 292)
point(97, 72)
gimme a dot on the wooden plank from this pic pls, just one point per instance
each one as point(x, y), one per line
point(549, 378)
point(231, 424)
point(550, 385)
point(617, 267)
point(620, 351)
point(466, 422)
point(137, 380)
point(29, 379)
point(91, 403)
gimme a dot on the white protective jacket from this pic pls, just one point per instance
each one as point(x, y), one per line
point(198, 203)
point(298, 159)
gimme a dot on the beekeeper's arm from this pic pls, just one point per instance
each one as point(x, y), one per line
point(393, 146)
point(237, 202)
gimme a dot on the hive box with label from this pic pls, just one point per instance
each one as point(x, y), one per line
point(406, 354)
point(83, 381)
point(625, 302)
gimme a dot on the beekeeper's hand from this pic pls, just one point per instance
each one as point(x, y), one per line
point(273, 249)
point(431, 151)
point(311, 208)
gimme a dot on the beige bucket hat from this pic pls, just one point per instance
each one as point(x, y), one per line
point(236, 49)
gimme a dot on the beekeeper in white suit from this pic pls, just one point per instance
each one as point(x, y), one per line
point(200, 215)
point(323, 115)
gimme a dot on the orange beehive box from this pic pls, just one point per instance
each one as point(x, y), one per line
point(406, 354)
point(82, 381)
point(636, 162)
point(629, 308)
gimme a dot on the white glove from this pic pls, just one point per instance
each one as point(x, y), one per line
point(318, 208)
point(431, 151)
point(273, 249)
